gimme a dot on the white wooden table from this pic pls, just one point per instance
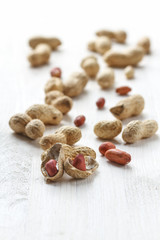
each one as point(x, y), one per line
point(117, 203)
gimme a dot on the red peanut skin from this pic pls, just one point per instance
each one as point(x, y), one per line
point(79, 120)
point(51, 168)
point(123, 90)
point(100, 103)
point(118, 156)
point(105, 147)
point(79, 162)
point(56, 72)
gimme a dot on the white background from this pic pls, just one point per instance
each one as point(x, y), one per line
point(117, 203)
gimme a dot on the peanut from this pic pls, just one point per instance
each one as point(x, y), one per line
point(129, 72)
point(66, 134)
point(71, 170)
point(90, 163)
point(63, 104)
point(59, 101)
point(52, 42)
point(46, 113)
point(64, 155)
point(48, 141)
point(100, 45)
point(35, 129)
point(75, 84)
point(51, 167)
point(23, 124)
point(40, 55)
point(52, 95)
point(100, 103)
point(79, 162)
point(79, 120)
point(105, 147)
point(91, 46)
point(56, 72)
point(128, 107)
point(118, 156)
point(124, 58)
point(18, 122)
point(108, 129)
point(145, 44)
point(106, 78)
point(55, 171)
point(54, 84)
point(72, 134)
point(90, 66)
point(136, 130)
point(119, 36)
point(123, 90)
point(72, 152)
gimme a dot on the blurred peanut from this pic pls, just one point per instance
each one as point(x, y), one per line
point(145, 44)
point(129, 72)
point(119, 36)
point(100, 45)
point(106, 78)
point(52, 42)
point(40, 55)
point(75, 84)
point(53, 84)
point(90, 66)
point(132, 56)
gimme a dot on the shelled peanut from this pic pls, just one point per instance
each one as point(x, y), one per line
point(109, 150)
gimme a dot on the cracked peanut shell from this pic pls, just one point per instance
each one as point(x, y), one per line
point(56, 153)
point(91, 166)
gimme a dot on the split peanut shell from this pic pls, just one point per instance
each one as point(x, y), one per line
point(56, 153)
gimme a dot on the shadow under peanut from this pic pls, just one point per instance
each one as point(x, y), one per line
point(21, 138)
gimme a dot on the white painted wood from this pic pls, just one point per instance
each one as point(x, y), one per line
point(117, 203)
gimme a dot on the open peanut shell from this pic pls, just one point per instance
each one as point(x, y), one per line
point(91, 166)
point(89, 155)
point(56, 152)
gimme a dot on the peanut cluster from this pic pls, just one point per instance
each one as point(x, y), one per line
point(59, 154)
